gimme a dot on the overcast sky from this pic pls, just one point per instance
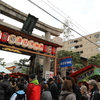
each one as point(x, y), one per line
point(83, 12)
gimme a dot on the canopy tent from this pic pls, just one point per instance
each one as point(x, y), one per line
point(3, 69)
point(85, 73)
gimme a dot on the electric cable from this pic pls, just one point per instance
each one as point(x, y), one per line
point(62, 22)
point(66, 16)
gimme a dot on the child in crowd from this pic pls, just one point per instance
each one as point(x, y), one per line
point(20, 94)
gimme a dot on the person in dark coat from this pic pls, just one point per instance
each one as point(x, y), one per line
point(6, 86)
point(2, 92)
point(53, 89)
point(95, 95)
point(76, 88)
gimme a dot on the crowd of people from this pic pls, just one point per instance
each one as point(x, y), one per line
point(51, 89)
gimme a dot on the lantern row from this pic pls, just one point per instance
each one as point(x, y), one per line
point(25, 43)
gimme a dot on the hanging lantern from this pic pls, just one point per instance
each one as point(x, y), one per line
point(0, 34)
point(35, 46)
point(49, 49)
point(4, 37)
point(30, 44)
point(41, 46)
point(45, 49)
point(53, 50)
point(18, 40)
point(12, 39)
point(25, 43)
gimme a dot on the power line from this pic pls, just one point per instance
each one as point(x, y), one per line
point(62, 22)
point(67, 16)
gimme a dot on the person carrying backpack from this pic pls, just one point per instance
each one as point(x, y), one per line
point(85, 95)
point(19, 94)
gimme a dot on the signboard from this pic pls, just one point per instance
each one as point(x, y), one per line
point(66, 62)
point(84, 76)
point(49, 74)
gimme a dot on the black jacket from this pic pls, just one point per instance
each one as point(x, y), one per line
point(54, 91)
point(95, 95)
point(7, 88)
point(2, 93)
point(84, 97)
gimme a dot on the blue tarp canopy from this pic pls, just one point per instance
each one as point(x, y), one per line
point(3, 69)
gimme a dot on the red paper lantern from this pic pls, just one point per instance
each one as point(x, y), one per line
point(53, 50)
point(4, 37)
point(45, 49)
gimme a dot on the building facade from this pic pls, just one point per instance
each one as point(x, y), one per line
point(86, 48)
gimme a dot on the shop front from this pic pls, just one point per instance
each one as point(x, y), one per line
point(87, 73)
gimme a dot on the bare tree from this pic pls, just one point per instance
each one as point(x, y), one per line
point(67, 31)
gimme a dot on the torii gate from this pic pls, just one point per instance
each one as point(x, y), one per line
point(21, 17)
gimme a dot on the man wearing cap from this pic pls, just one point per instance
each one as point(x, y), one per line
point(53, 89)
point(34, 89)
point(95, 95)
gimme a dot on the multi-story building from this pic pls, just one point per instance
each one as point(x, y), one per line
point(86, 46)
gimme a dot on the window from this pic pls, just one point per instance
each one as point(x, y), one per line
point(97, 35)
point(72, 47)
point(71, 42)
point(86, 43)
point(80, 52)
point(98, 42)
point(98, 49)
point(86, 50)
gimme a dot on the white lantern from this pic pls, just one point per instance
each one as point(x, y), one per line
point(18, 40)
point(25, 43)
point(12, 39)
point(35, 46)
point(41, 46)
point(30, 44)
point(0, 34)
point(49, 49)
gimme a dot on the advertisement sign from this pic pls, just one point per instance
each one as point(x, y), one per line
point(49, 74)
point(84, 76)
point(66, 62)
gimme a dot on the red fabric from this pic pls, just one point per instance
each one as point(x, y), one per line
point(33, 92)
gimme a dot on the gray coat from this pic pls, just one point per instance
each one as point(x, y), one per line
point(46, 95)
point(70, 95)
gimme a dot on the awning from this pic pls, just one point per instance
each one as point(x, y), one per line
point(84, 74)
point(3, 69)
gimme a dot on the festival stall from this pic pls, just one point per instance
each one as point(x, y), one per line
point(16, 75)
point(87, 73)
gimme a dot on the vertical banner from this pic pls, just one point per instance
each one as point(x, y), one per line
point(49, 74)
point(66, 62)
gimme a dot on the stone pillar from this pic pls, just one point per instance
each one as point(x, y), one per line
point(46, 66)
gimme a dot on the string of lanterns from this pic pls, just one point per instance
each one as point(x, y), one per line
point(12, 39)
